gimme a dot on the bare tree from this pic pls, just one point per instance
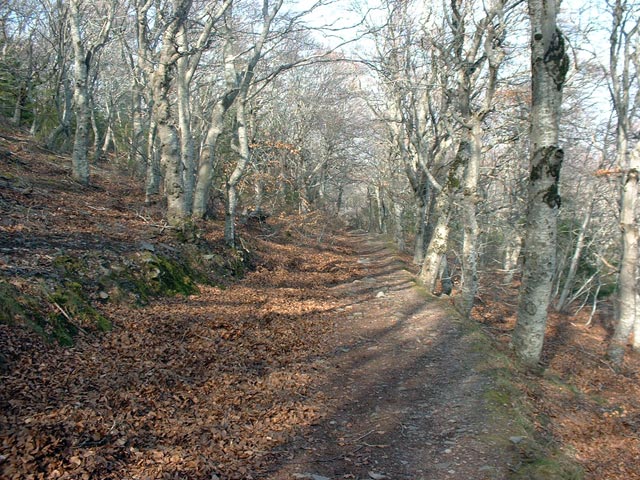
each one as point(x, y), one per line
point(85, 48)
point(549, 66)
point(623, 57)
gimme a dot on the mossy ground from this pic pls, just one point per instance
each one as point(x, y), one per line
point(537, 456)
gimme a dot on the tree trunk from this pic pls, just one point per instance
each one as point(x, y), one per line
point(205, 169)
point(437, 248)
point(627, 280)
point(169, 146)
point(549, 65)
point(623, 50)
point(636, 324)
point(152, 174)
point(470, 222)
point(511, 257)
point(429, 272)
point(137, 154)
point(65, 121)
point(382, 210)
point(339, 200)
point(184, 122)
point(399, 226)
point(82, 56)
point(245, 157)
point(79, 157)
point(421, 227)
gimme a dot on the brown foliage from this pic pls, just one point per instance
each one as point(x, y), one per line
point(182, 387)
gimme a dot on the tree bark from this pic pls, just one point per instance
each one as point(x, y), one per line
point(82, 56)
point(398, 226)
point(421, 229)
point(549, 65)
point(152, 167)
point(627, 280)
point(232, 183)
point(430, 270)
point(623, 48)
point(470, 222)
point(511, 257)
point(169, 145)
point(206, 162)
point(187, 151)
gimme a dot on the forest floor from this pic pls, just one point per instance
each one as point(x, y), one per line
point(325, 361)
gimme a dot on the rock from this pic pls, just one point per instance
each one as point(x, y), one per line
point(380, 294)
point(103, 295)
point(377, 476)
point(147, 246)
point(516, 440)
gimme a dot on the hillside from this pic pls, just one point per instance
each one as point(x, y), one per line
point(130, 350)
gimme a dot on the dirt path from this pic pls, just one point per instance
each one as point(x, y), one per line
point(407, 401)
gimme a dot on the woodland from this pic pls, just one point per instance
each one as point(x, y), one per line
point(189, 187)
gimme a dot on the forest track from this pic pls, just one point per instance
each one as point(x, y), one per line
point(407, 387)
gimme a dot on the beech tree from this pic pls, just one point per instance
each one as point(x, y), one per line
point(84, 51)
point(549, 67)
point(624, 63)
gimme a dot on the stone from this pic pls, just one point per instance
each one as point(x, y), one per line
point(377, 476)
point(147, 246)
point(380, 294)
point(516, 440)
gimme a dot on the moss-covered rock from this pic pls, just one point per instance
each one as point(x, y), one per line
point(57, 316)
point(10, 305)
point(146, 275)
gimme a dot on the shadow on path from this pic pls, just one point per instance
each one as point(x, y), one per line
point(406, 401)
